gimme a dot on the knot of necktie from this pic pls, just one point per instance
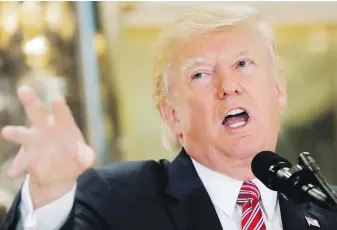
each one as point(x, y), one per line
point(251, 216)
point(249, 193)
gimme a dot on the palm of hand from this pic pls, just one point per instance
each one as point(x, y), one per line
point(53, 150)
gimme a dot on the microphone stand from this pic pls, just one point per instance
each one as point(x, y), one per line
point(308, 163)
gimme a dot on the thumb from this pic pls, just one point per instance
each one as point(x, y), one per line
point(85, 155)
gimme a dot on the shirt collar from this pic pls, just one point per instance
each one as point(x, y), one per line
point(223, 191)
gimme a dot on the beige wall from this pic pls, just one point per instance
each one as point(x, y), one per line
point(139, 118)
point(299, 48)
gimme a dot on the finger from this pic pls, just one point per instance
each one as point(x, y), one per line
point(19, 164)
point(85, 155)
point(36, 111)
point(17, 134)
point(62, 113)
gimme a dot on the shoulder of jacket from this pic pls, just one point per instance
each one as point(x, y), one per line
point(126, 176)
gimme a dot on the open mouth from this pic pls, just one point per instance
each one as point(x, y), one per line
point(236, 118)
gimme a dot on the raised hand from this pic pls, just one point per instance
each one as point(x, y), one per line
point(53, 151)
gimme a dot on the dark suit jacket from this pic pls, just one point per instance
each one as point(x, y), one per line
point(150, 195)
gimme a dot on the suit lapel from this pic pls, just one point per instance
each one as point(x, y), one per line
point(12, 215)
point(300, 216)
point(192, 209)
point(189, 203)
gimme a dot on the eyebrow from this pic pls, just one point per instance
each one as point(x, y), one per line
point(242, 52)
point(196, 62)
point(238, 54)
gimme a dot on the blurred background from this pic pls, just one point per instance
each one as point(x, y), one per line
point(98, 54)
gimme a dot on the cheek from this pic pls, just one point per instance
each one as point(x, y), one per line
point(198, 110)
point(268, 104)
point(264, 89)
point(265, 94)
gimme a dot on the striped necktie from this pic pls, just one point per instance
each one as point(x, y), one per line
point(251, 217)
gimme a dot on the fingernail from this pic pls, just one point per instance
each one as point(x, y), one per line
point(6, 131)
point(26, 94)
point(59, 98)
point(24, 89)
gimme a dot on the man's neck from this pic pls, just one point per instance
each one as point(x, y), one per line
point(239, 169)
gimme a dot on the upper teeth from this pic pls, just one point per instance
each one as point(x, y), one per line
point(235, 111)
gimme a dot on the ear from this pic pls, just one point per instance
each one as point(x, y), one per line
point(169, 115)
point(282, 91)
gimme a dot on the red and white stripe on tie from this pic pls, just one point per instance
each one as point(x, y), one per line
point(251, 217)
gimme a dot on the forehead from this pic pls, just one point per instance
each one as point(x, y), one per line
point(226, 43)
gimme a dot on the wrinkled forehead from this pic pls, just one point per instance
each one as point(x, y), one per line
point(224, 44)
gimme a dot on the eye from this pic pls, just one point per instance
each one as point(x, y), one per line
point(243, 63)
point(199, 75)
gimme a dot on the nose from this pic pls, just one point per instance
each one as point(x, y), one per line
point(229, 85)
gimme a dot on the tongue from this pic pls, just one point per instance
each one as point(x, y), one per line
point(235, 119)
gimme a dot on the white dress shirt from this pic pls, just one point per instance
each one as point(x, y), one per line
point(222, 190)
point(49, 217)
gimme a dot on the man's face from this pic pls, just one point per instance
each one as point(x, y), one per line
point(224, 96)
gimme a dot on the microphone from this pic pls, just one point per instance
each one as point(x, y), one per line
point(307, 161)
point(295, 183)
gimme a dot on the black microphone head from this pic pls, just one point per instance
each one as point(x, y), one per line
point(264, 165)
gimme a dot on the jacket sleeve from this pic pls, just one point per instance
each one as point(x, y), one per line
point(88, 211)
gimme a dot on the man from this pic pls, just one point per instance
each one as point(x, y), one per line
point(220, 93)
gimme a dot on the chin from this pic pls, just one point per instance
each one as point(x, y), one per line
point(244, 149)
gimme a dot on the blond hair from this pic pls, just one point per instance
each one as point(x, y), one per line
point(173, 38)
